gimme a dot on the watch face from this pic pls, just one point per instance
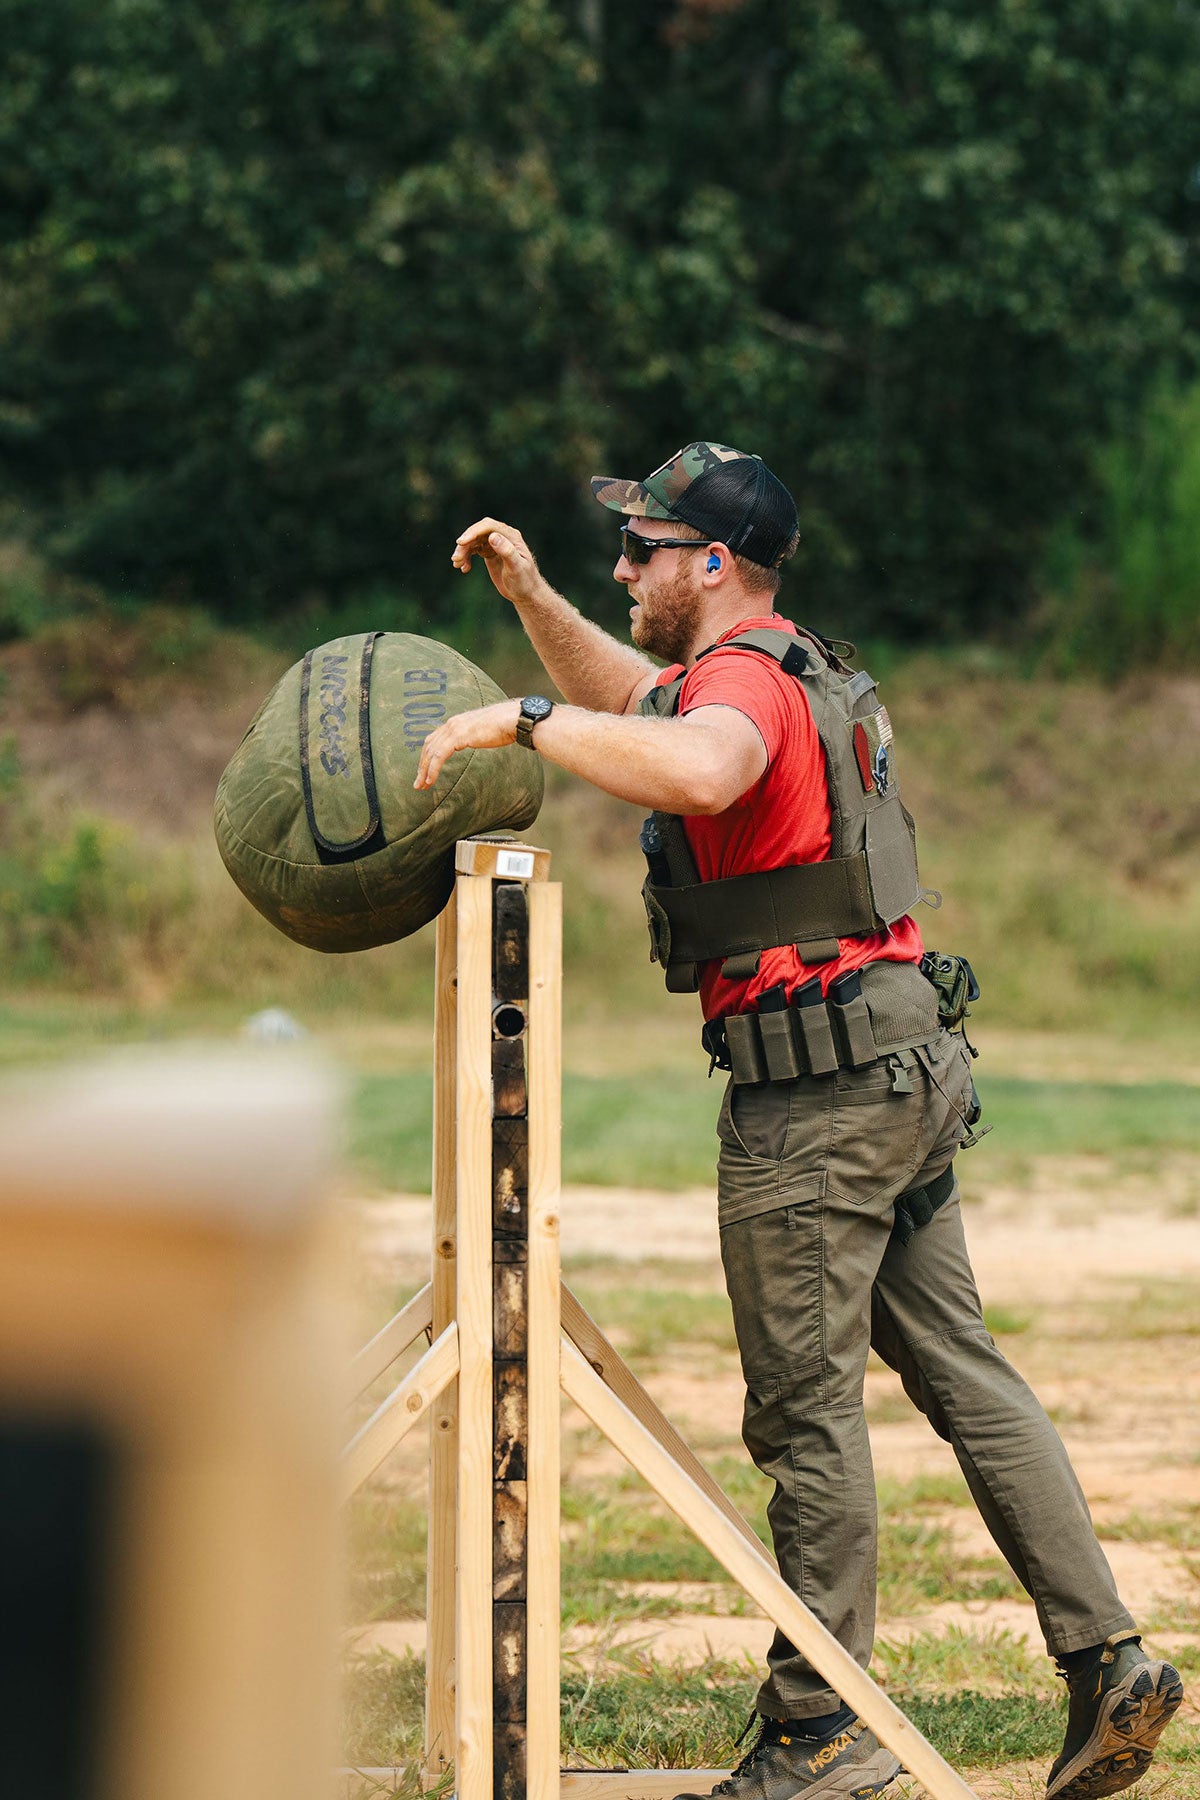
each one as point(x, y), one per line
point(534, 706)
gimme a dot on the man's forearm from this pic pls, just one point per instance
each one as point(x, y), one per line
point(698, 764)
point(590, 668)
point(651, 762)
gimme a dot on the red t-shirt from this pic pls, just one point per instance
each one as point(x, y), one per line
point(784, 818)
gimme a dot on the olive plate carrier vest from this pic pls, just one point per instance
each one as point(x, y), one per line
point(869, 879)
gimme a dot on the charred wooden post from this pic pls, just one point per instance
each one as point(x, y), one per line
point(510, 1372)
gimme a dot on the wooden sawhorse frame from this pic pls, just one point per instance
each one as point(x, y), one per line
point(504, 1335)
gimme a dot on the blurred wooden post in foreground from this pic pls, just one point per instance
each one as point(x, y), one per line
point(498, 1324)
point(169, 1409)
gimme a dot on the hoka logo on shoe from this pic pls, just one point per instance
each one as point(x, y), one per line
point(827, 1753)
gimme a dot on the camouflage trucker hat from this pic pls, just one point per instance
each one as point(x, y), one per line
point(729, 494)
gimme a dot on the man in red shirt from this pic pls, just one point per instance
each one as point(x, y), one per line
point(840, 1224)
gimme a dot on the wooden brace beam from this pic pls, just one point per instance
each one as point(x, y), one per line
point(393, 1339)
point(395, 1417)
point(616, 1374)
point(756, 1577)
point(575, 1784)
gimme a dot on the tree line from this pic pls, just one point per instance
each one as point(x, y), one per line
point(290, 290)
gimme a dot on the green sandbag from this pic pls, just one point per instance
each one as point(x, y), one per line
point(317, 819)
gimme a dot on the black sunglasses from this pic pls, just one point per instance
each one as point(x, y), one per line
point(638, 550)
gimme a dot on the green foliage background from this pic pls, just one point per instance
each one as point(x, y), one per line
point(288, 293)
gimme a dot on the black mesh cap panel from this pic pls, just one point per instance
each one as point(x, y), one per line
point(743, 505)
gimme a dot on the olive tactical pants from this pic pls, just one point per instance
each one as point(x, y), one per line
point(808, 1173)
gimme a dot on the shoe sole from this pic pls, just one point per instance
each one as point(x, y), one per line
point(1122, 1743)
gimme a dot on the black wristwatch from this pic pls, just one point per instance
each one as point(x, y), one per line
point(534, 708)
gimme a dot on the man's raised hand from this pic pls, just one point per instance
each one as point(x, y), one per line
point(510, 562)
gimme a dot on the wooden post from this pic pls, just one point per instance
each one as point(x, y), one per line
point(170, 1398)
point(510, 1369)
point(543, 1648)
point(482, 1219)
point(443, 1449)
point(473, 1599)
point(497, 1041)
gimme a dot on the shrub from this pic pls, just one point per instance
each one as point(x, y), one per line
point(81, 904)
point(1129, 590)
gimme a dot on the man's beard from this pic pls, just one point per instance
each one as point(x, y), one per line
point(668, 625)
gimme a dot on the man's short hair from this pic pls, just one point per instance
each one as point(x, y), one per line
point(755, 578)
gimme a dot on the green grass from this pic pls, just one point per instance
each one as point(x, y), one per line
point(614, 1541)
point(617, 1538)
point(386, 1557)
point(891, 1407)
point(647, 1714)
point(1006, 1321)
point(383, 1710)
point(983, 1731)
point(1179, 1530)
point(648, 1323)
point(1152, 1309)
point(934, 1660)
point(920, 1565)
point(1072, 1117)
point(656, 1130)
point(1070, 876)
point(57, 1028)
point(930, 1489)
point(659, 1130)
point(1172, 1615)
point(657, 1715)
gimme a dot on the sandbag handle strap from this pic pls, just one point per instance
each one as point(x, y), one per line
point(344, 850)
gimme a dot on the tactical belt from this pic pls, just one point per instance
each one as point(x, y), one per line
point(816, 1035)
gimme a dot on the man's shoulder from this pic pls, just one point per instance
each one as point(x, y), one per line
point(744, 664)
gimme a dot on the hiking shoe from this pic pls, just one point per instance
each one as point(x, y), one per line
point(850, 1765)
point(1120, 1701)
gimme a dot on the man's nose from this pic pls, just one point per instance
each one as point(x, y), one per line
point(624, 570)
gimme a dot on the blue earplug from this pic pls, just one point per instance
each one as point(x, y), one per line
point(714, 562)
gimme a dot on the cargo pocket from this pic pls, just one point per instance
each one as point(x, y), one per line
point(774, 1147)
point(755, 1119)
point(773, 1275)
point(748, 1174)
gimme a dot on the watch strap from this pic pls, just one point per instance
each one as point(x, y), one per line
point(527, 720)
